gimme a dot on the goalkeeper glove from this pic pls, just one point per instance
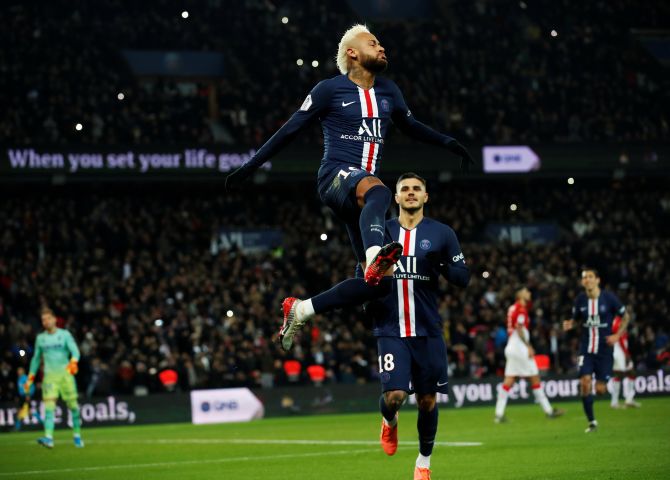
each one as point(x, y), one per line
point(72, 367)
point(28, 384)
point(466, 159)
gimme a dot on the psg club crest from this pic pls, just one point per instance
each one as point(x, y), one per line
point(385, 105)
point(425, 244)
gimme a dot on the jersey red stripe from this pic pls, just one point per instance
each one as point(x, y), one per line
point(405, 284)
point(593, 330)
point(368, 102)
point(371, 154)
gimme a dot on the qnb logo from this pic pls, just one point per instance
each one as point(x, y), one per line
point(458, 257)
point(219, 406)
point(372, 130)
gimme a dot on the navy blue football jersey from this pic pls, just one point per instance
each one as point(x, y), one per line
point(597, 316)
point(355, 122)
point(429, 249)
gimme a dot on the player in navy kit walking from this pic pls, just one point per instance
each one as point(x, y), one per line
point(596, 309)
point(355, 110)
point(410, 343)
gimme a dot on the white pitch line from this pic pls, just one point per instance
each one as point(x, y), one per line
point(185, 462)
point(259, 441)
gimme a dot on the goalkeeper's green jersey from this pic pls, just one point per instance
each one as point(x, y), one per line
point(56, 348)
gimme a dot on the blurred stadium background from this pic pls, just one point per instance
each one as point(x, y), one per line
point(121, 119)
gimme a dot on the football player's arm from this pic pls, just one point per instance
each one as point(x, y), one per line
point(34, 367)
point(620, 309)
point(315, 104)
point(452, 265)
point(569, 324)
point(73, 366)
point(410, 126)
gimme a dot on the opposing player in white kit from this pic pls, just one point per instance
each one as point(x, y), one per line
point(622, 371)
point(520, 358)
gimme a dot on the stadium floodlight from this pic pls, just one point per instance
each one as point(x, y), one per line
point(120, 96)
point(184, 14)
point(78, 127)
point(284, 20)
point(315, 63)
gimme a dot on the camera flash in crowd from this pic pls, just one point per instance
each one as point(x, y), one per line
point(513, 207)
point(284, 20)
point(184, 14)
point(78, 127)
point(229, 314)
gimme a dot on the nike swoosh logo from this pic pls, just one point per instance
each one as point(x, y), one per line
point(347, 104)
point(441, 384)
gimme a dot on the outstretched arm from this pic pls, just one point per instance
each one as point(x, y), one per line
point(315, 104)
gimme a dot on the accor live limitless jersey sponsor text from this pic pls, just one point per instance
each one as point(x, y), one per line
point(429, 249)
point(517, 314)
point(355, 122)
point(597, 318)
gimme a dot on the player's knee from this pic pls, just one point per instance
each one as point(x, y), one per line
point(395, 399)
point(50, 404)
point(375, 189)
point(586, 387)
point(426, 403)
point(601, 388)
point(72, 405)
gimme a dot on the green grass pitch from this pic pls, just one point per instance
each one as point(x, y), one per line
point(630, 444)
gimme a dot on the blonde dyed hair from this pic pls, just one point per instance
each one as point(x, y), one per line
point(342, 58)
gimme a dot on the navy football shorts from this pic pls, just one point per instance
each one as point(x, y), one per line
point(413, 364)
point(598, 363)
point(338, 191)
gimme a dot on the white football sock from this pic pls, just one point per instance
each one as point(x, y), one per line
point(392, 423)
point(628, 389)
point(370, 254)
point(423, 462)
point(501, 403)
point(615, 388)
point(542, 399)
point(304, 310)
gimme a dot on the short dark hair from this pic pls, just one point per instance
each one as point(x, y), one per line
point(591, 269)
point(45, 310)
point(411, 175)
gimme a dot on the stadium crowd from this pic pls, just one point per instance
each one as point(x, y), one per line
point(503, 75)
point(145, 283)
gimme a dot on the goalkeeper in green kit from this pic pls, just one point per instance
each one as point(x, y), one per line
point(61, 356)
